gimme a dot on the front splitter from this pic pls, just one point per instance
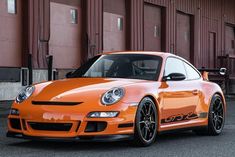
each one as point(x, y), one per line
point(97, 138)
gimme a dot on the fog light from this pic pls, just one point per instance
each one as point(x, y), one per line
point(103, 114)
point(14, 112)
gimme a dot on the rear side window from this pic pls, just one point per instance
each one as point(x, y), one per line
point(174, 65)
point(192, 74)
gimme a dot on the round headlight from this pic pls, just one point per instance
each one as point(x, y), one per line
point(112, 96)
point(25, 94)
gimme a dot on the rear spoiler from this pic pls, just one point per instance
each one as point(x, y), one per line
point(205, 72)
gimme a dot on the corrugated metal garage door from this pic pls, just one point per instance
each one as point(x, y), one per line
point(114, 25)
point(230, 40)
point(183, 35)
point(212, 50)
point(65, 40)
point(152, 28)
point(10, 33)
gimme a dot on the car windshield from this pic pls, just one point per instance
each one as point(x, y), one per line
point(131, 66)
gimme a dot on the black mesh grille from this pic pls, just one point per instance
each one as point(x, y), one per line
point(51, 126)
point(15, 124)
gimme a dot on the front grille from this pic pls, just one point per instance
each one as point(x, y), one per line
point(50, 126)
point(15, 123)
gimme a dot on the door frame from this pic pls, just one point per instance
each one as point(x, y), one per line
point(225, 25)
point(163, 24)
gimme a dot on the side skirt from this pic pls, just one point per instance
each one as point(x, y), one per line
point(183, 129)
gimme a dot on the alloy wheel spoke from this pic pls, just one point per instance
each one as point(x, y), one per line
point(218, 125)
point(215, 124)
point(149, 110)
point(142, 130)
point(218, 106)
point(145, 133)
point(143, 113)
point(145, 109)
point(213, 114)
point(220, 117)
point(219, 122)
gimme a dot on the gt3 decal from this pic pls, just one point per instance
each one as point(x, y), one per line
point(179, 117)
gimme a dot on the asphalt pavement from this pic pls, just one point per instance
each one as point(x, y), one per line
point(183, 144)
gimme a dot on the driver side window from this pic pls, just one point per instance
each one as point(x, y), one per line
point(174, 65)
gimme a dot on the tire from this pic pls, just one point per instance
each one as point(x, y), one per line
point(216, 118)
point(146, 123)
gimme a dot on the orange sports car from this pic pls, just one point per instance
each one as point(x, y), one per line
point(119, 96)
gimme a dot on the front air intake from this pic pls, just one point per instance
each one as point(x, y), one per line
point(50, 126)
point(57, 103)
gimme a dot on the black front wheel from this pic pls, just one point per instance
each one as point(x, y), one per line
point(145, 123)
point(216, 117)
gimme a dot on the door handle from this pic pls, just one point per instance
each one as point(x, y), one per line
point(195, 92)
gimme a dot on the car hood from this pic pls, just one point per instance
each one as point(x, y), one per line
point(78, 89)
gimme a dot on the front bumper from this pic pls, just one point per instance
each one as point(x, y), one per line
point(51, 122)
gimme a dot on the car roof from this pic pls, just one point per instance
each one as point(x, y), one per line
point(162, 54)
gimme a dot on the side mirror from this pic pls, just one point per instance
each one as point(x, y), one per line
point(174, 77)
point(222, 71)
point(69, 74)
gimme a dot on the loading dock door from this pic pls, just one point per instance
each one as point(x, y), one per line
point(230, 40)
point(114, 25)
point(183, 36)
point(65, 40)
point(10, 33)
point(230, 44)
point(152, 28)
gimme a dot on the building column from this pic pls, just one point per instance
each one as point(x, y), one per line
point(38, 21)
point(94, 24)
point(135, 24)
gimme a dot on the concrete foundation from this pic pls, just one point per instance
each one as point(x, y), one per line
point(9, 90)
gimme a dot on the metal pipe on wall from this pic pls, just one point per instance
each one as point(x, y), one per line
point(30, 67)
point(50, 64)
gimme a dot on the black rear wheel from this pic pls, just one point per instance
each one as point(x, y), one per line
point(216, 117)
point(145, 123)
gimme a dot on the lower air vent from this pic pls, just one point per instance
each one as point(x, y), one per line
point(15, 124)
point(95, 126)
point(50, 126)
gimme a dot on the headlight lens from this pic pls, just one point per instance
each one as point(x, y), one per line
point(109, 114)
point(25, 94)
point(112, 96)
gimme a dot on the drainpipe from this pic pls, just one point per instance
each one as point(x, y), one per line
point(30, 67)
